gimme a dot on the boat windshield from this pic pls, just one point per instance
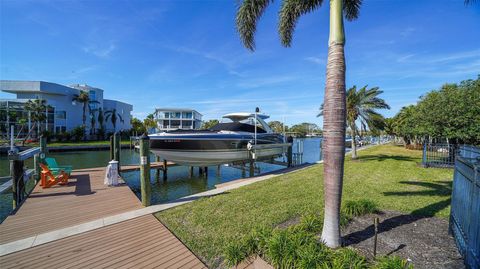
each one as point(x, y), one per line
point(237, 126)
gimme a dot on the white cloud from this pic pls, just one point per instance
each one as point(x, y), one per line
point(316, 60)
point(100, 51)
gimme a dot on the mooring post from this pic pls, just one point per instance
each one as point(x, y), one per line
point(200, 171)
point(112, 146)
point(375, 223)
point(321, 150)
point(165, 169)
point(16, 172)
point(218, 170)
point(290, 151)
point(252, 168)
point(157, 171)
point(206, 171)
point(145, 170)
point(116, 150)
point(191, 171)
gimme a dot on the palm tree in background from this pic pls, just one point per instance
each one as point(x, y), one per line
point(361, 106)
point(334, 116)
point(37, 110)
point(93, 119)
point(149, 122)
point(113, 116)
point(84, 99)
point(101, 120)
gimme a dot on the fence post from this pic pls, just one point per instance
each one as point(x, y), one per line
point(424, 157)
point(145, 170)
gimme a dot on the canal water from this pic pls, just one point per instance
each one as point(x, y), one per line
point(178, 183)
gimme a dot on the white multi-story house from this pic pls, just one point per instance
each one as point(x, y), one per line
point(177, 118)
point(63, 114)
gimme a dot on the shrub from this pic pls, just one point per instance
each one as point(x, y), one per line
point(78, 133)
point(234, 254)
point(348, 258)
point(311, 223)
point(360, 207)
point(392, 262)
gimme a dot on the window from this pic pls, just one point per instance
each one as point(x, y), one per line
point(60, 115)
point(187, 115)
point(93, 97)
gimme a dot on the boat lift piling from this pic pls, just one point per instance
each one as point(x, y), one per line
point(146, 189)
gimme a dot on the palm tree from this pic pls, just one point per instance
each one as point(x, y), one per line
point(149, 122)
point(84, 99)
point(113, 116)
point(361, 106)
point(93, 120)
point(36, 108)
point(335, 110)
point(101, 120)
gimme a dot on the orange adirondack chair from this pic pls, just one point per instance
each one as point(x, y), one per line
point(47, 178)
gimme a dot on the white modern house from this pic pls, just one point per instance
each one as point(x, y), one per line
point(63, 114)
point(177, 118)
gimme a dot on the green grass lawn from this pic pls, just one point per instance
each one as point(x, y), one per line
point(389, 175)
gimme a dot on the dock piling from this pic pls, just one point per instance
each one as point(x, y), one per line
point(112, 146)
point(116, 143)
point(16, 172)
point(191, 171)
point(165, 169)
point(145, 170)
point(290, 152)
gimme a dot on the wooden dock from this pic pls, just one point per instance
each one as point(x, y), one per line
point(142, 242)
point(153, 165)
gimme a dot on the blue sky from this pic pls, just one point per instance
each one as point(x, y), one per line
point(188, 54)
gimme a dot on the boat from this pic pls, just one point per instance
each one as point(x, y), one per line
point(239, 137)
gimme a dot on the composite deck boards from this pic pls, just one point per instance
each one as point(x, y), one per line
point(142, 242)
point(84, 199)
point(152, 245)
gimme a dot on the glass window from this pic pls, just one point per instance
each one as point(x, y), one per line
point(60, 115)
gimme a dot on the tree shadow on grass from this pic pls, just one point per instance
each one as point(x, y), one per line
point(383, 157)
point(437, 188)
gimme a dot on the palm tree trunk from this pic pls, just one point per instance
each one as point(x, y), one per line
point(354, 144)
point(334, 127)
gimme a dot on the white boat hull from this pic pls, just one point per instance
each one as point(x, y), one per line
point(213, 157)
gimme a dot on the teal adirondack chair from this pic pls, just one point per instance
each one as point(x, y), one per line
point(55, 168)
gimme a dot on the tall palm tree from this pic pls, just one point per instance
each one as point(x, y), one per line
point(93, 120)
point(248, 15)
point(361, 106)
point(36, 108)
point(84, 99)
point(113, 116)
point(101, 119)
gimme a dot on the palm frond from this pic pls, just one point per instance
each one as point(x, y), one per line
point(351, 9)
point(248, 15)
point(320, 113)
point(290, 12)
